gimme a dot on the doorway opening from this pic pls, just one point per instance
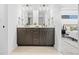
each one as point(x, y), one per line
point(69, 29)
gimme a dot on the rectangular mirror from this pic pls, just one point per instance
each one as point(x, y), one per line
point(41, 18)
point(30, 17)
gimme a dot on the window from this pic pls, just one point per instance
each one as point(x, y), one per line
point(69, 16)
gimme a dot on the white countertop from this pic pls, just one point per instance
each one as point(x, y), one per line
point(35, 27)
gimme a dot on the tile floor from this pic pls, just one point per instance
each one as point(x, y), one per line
point(69, 47)
point(35, 50)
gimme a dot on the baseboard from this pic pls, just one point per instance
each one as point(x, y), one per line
point(11, 49)
point(4, 52)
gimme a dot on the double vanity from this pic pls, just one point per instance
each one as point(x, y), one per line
point(33, 36)
point(35, 26)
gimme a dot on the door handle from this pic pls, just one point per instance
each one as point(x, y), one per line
point(3, 26)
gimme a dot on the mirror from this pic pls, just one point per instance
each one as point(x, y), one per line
point(41, 18)
point(37, 16)
point(30, 18)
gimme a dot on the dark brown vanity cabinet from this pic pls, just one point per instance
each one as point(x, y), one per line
point(28, 39)
point(24, 36)
point(47, 37)
point(27, 36)
point(35, 36)
point(43, 36)
point(50, 37)
point(21, 36)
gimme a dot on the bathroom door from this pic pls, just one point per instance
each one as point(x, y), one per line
point(3, 30)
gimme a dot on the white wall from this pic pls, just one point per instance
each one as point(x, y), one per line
point(3, 31)
point(78, 23)
point(57, 19)
point(12, 18)
point(8, 18)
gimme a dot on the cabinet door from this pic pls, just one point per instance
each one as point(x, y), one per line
point(21, 36)
point(36, 36)
point(50, 37)
point(43, 34)
point(29, 36)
